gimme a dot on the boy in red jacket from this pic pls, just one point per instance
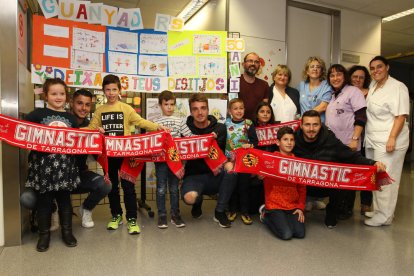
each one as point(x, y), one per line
point(284, 201)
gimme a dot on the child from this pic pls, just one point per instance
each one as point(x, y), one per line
point(179, 128)
point(53, 176)
point(116, 118)
point(237, 128)
point(284, 201)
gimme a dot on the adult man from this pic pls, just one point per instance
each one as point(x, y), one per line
point(315, 141)
point(91, 182)
point(252, 90)
point(198, 178)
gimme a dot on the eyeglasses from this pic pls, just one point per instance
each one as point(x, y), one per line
point(257, 62)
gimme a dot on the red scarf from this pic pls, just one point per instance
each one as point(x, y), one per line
point(309, 172)
point(49, 139)
point(267, 135)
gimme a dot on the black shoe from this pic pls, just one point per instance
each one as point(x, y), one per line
point(177, 221)
point(162, 222)
point(330, 222)
point(196, 211)
point(222, 219)
point(43, 242)
point(65, 217)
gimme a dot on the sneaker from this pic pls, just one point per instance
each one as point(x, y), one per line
point(196, 211)
point(365, 208)
point(369, 214)
point(319, 205)
point(247, 220)
point(54, 222)
point(133, 228)
point(162, 222)
point(114, 223)
point(232, 216)
point(222, 219)
point(177, 221)
point(86, 216)
point(262, 213)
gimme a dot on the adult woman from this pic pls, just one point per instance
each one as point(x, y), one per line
point(360, 78)
point(315, 93)
point(283, 99)
point(346, 117)
point(386, 136)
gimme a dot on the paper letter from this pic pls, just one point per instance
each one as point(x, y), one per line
point(234, 70)
point(234, 85)
point(235, 57)
point(49, 8)
point(109, 15)
point(81, 8)
point(162, 21)
point(176, 24)
point(123, 18)
point(66, 5)
point(95, 13)
point(136, 19)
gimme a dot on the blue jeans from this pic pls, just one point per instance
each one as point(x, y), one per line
point(208, 184)
point(166, 177)
point(95, 185)
point(284, 224)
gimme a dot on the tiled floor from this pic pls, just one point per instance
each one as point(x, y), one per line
point(203, 248)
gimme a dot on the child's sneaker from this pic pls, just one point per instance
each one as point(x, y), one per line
point(162, 222)
point(232, 216)
point(114, 223)
point(262, 213)
point(221, 219)
point(86, 216)
point(246, 219)
point(133, 228)
point(177, 221)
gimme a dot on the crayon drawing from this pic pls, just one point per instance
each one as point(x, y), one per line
point(218, 108)
point(86, 60)
point(87, 40)
point(206, 44)
point(153, 65)
point(122, 63)
point(153, 44)
point(182, 66)
point(212, 66)
point(123, 41)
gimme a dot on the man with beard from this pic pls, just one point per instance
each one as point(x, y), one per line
point(316, 141)
point(252, 90)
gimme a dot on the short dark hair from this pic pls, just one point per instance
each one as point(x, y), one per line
point(197, 97)
point(272, 114)
point(284, 130)
point(340, 69)
point(166, 95)
point(82, 92)
point(311, 113)
point(52, 81)
point(109, 79)
point(380, 58)
point(367, 79)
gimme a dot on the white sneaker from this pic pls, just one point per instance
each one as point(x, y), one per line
point(86, 216)
point(54, 223)
point(369, 214)
point(262, 213)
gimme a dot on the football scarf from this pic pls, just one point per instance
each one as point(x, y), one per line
point(267, 135)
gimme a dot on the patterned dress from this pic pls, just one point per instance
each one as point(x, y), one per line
point(52, 172)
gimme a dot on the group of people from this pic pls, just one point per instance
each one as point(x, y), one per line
point(337, 100)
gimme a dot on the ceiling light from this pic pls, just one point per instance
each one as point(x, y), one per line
point(191, 8)
point(397, 15)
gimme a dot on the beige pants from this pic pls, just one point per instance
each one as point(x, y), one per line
point(384, 201)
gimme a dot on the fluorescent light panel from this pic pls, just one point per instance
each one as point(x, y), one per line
point(191, 8)
point(397, 15)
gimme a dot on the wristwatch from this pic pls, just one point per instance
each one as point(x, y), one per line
point(355, 138)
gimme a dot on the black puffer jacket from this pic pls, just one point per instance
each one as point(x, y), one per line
point(328, 148)
point(198, 166)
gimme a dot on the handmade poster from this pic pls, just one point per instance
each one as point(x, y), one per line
point(153, 43)
point(182, 66)
point(153, 109)
point(152, 65)
point(122, 63)
point(211, 66)
point(206, 44)
point(87, 40)
point(86, 60)
point(234, 70)
point(182, 109)
point(123, 41)
point(218, 108)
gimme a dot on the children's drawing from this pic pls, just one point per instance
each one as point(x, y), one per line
point(182, 108)
point(153, 44)
point(153, 65)
point(86, 60)
point(212, 66)
point(122, 63)
point(87, 40)
point(218, 108)
point(123, 41)
point(153, 109)
point(206, 44)
point(182, 66)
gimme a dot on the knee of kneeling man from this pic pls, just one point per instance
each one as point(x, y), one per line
point(190, 198)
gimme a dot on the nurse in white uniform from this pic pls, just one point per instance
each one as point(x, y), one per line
point(386, 136)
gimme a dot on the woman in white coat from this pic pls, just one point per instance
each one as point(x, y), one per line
point(386, 136)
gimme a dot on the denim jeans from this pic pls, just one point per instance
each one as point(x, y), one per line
point(209, 184)
point(284, 224)
point(95, 185)
point(165, 177)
